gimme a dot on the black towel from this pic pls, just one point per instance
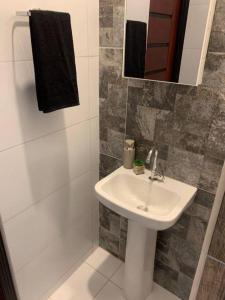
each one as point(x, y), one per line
point(54, 60)
point(136, 35)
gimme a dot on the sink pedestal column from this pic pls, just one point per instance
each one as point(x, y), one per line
point(139, 262)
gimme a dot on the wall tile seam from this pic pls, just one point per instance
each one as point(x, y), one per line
point(216, 259)
point(119, 159)
point(49, 245)
point(31, 60)
point(49, 134)
point(216, 53)
point(8, 220)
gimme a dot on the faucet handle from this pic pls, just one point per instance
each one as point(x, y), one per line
point(155, 161)
point(148, 159)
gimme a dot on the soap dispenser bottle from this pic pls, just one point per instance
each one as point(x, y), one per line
point(128, 154)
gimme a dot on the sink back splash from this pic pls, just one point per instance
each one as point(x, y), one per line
point(187, 126)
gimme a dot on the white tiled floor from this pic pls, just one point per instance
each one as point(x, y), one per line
point(100, 277)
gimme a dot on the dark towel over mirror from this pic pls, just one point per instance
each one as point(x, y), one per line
point(135, 49)
point(54, 60)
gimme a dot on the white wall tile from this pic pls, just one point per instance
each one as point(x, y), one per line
point(93, 27)
point(36, 278)
point(15, 34)
point(94, 86)
point(30, 232)
point(94, 131)
point(14, 31)
point(47, 202)
point(18, 107)
point(29, 173)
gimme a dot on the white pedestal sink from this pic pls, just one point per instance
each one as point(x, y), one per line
point(129, 195)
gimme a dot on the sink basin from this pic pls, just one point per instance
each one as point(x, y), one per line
point(149, 206)
point(124, 192)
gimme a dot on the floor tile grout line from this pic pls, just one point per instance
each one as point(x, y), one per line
point(31, 60)
point(99, 272)
point(116, 285)
point(107, 281)
point(117, 269)
point(81, 260)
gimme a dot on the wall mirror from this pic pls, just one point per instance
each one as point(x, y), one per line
point(167, 40)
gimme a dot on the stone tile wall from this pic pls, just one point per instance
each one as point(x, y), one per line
point(213, 280)
point(186, 124)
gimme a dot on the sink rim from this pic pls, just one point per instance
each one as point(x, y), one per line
point(184, 191)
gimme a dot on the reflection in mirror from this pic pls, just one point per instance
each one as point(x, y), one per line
point(165, 39)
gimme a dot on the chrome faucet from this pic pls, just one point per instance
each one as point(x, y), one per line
point(155, 173)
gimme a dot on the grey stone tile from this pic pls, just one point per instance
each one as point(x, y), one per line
point(163, 258)
point(166, 277)
point(118, 26)
point(188, 141)
point(105, 2)
point(185, 285)
point(146, 118)
point(109, 75)
point(163, 241)
point(198, 211)
point(196, 232)
point(184, 166)
point(111, 57)
point(141, 122)
point(181, 227)
point(109, 220)
point(117, 96)
point(155, 95)
point(106, 16)
point(109, 119)
point(195, 111)
point(136, 83)
point(219, 19)
point(210, 174)
point(204, 198)
point(114, 144)
point(122, 249)
point(106, 37)
point(163, 127)
point(184, 254)
point(108, 241)
point(215, 144)
point(217, 41)
point(103, 216)
point(164, 95)
point(123, 228)
point(214, 73)
point(108, 165)
point(119, 2)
